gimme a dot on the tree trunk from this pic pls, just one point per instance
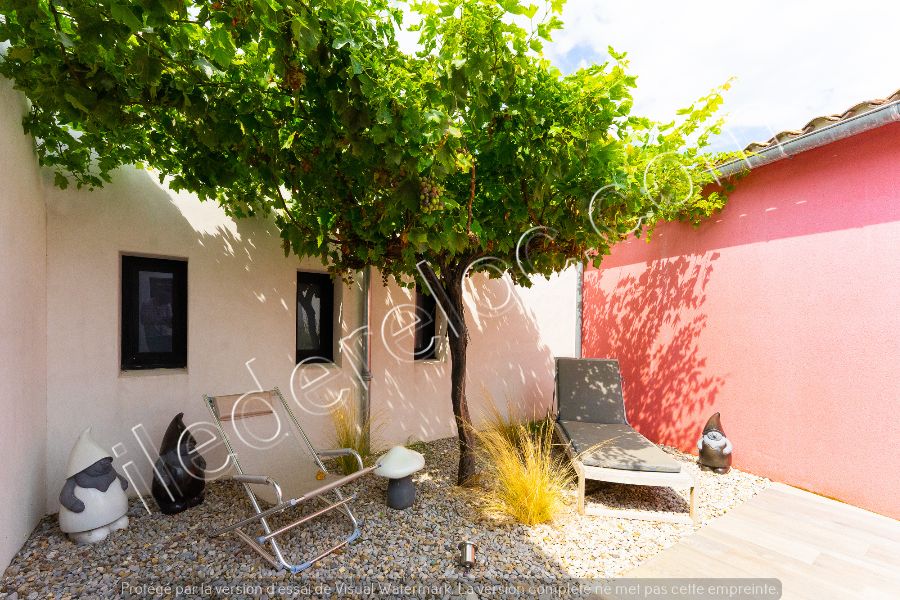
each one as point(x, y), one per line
point(449, 292)
point(459, 341)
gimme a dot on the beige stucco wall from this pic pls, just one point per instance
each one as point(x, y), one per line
point(241, 306)
point(60, 329)
point(514, 334)
point(23, 340)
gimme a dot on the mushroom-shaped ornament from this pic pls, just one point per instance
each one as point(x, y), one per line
point(398, 464)
point(93, 501)
point(714, 447)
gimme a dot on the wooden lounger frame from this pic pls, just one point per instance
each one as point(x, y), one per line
point(680, 480)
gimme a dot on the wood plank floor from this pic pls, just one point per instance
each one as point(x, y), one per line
point(818, 548)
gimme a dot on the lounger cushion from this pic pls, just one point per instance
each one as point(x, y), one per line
point(589, 390)
point(624, 448)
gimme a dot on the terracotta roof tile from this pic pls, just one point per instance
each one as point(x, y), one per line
point(823, 121)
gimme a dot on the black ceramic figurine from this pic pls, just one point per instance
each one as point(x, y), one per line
point(714, 447)
point(178, 482)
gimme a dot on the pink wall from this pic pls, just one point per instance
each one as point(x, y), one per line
point(782, 312)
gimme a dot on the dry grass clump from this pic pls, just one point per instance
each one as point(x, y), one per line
point(351, 431)
point(526, 480)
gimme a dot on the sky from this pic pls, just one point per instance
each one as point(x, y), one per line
point(792, 60)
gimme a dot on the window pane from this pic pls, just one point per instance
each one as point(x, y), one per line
point(309, 316)
point(155, 292)
point(426, 321)
point(315, 314)
point(154, 313)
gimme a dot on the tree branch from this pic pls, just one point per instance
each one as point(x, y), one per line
point(62, 47)
point(527, 199)
point(471, 199)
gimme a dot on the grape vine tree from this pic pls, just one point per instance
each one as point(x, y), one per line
point(417, 161)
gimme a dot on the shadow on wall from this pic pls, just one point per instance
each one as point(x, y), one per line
point(508, 365)
point(849, 184)
point(240, 307)
point(651, 323)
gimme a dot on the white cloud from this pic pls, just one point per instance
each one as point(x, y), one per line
point(793, 60)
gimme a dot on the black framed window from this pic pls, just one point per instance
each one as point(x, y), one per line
point(154, 313)
point(426, 327)
point(315, 317)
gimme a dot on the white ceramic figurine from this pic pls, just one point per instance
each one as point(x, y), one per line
point(93, 501)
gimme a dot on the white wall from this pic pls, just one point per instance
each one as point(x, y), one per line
point(514, 334)
point(241, 306)
point(23, 341)
point(60, 330)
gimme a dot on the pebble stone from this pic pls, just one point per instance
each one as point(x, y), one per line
point(162, 556)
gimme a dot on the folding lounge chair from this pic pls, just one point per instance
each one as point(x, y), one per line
point(259, 519)
point(591, 421)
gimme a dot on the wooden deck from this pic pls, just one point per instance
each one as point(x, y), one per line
point(818, 548)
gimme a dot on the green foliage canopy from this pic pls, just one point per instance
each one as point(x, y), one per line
point(364, 153)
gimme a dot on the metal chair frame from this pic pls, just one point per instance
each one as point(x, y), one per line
point(276, 558)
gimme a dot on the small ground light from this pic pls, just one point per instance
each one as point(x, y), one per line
point(467, 554)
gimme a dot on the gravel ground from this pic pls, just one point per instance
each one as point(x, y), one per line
point(158, 555)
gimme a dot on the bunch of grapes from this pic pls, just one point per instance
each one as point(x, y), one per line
point(384, 181)
point(430, 195)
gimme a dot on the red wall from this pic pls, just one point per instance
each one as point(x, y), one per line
point(782, 312)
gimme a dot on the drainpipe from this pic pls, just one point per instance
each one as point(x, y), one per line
point(579, 306)
point(882, 115)
point(365, 361)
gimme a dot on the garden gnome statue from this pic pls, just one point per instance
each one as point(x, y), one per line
point(714, 447)
point(93, 501)
point(179, 477)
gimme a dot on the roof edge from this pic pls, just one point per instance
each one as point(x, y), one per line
point(880, 114)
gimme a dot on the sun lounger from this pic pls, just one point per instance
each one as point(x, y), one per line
point(255, 529)
point(591, 420)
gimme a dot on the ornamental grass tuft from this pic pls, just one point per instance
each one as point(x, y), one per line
point(524, 479)
point(351, 431)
